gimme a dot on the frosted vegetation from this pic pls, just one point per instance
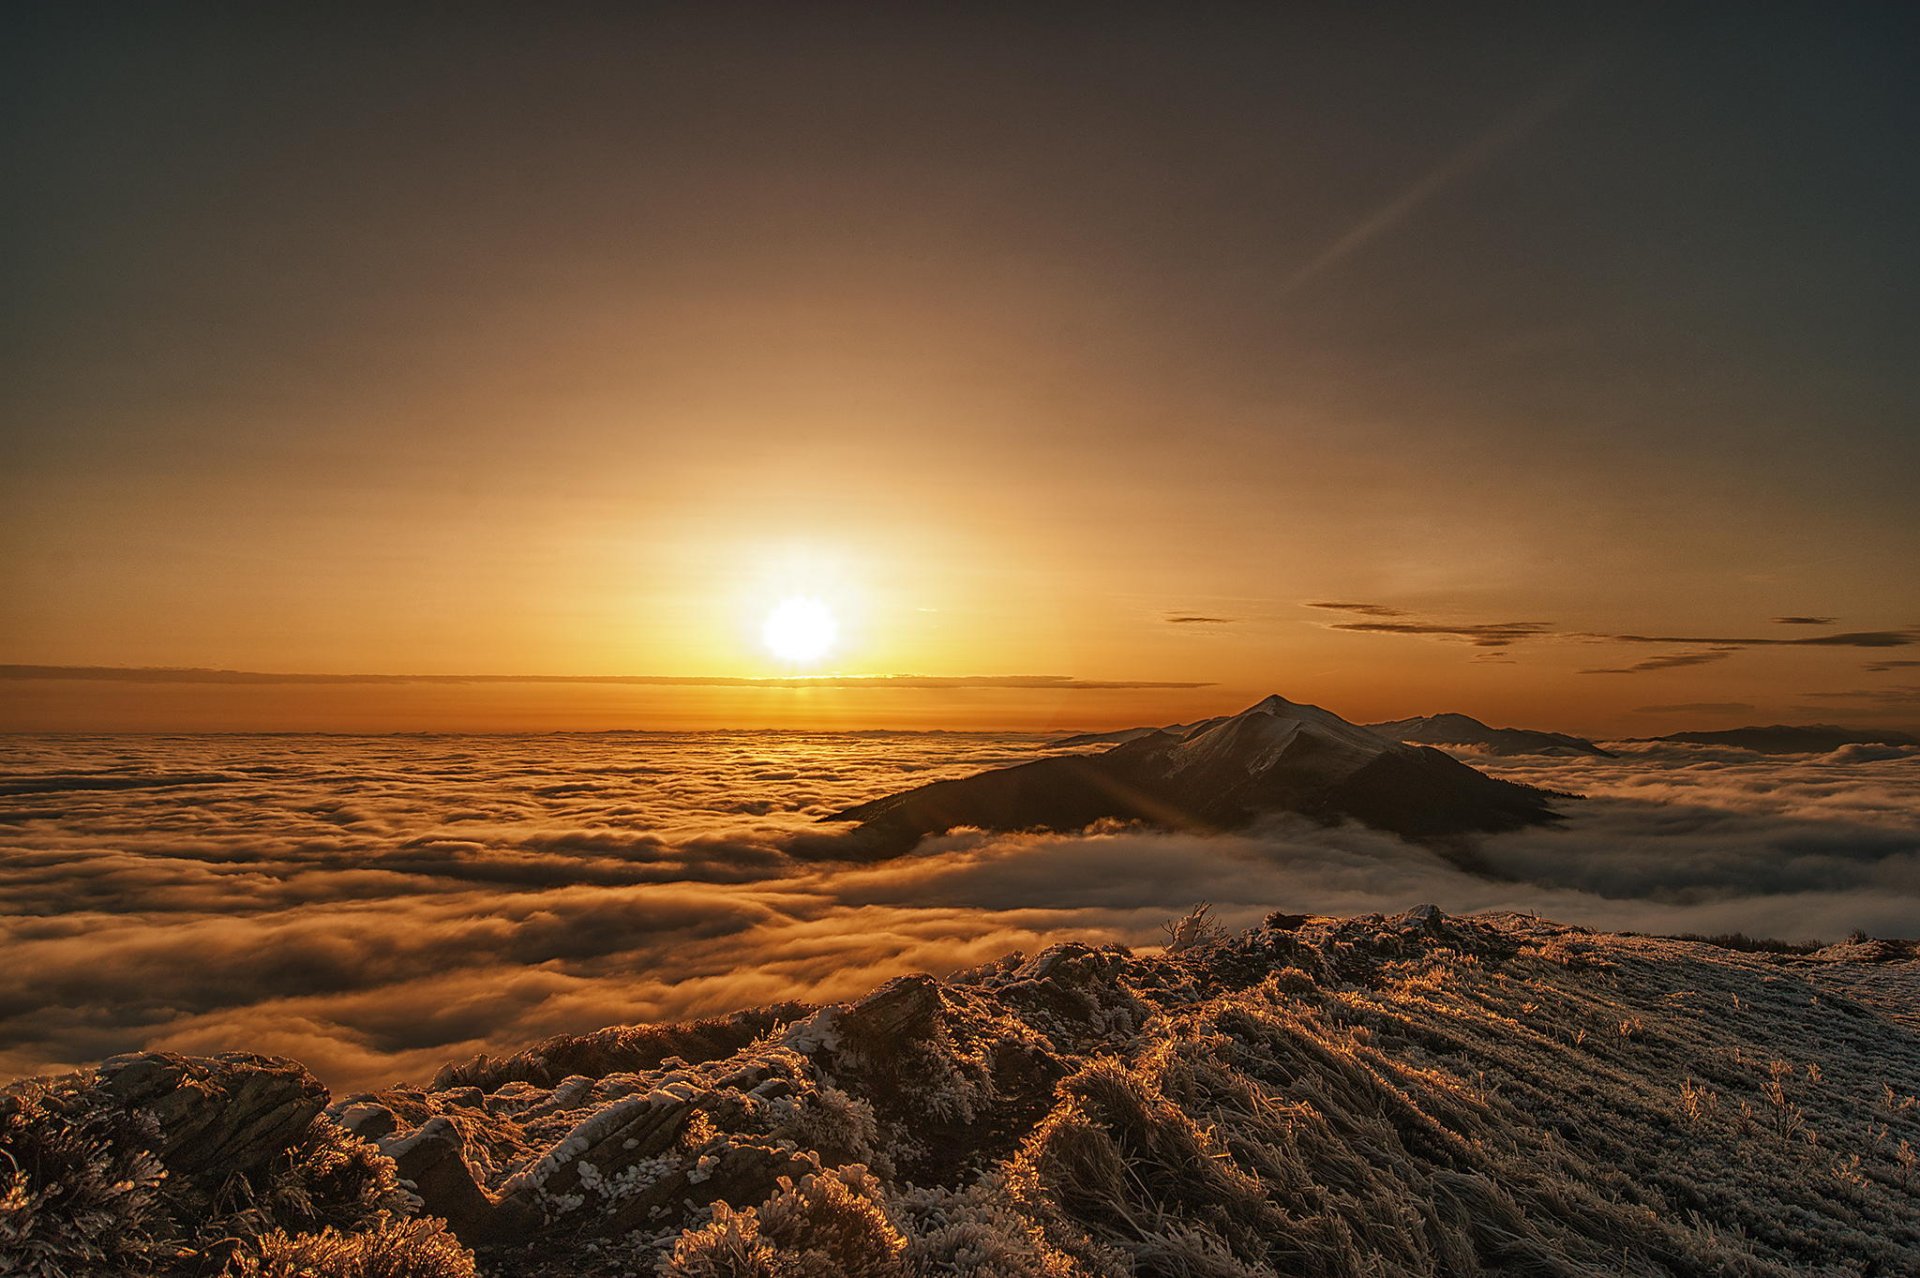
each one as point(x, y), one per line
point(1402, 1095)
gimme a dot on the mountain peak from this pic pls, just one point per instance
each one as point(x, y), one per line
point(1275, 756)
point(1323, 722)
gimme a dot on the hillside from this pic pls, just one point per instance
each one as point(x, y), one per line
point(1404, 1095)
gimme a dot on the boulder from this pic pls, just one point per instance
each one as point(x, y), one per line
point(217, 1115)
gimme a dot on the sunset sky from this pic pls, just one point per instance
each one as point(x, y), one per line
point(1551, 363)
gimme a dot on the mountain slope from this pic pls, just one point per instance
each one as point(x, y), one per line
point(1399, 1096)
point(1464, 730)
point(1276, 756)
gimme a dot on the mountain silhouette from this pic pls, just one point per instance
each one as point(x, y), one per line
point(1783, 738)
point(1276, 756)
point(1464, 730)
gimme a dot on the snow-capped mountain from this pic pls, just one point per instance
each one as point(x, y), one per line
point(1276, 756)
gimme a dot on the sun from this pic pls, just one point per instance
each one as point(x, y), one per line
point(800, 628)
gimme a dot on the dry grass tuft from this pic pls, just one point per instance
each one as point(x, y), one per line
point(79, 1184)
point(829, 1225)
point(409, 1249)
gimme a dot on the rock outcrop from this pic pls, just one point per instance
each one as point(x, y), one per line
point(216, 1116)
point(157, 1163)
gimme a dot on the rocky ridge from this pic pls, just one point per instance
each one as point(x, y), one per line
point(1413, 1094)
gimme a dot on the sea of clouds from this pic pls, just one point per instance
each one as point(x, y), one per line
point(375, 906)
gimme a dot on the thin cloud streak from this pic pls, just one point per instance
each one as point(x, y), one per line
point(1462, 163)
point(1847, 639)
point(197, 675)
point(1384, 619)
point(1364, 609)
point(1672, 661)
point(1496, 634)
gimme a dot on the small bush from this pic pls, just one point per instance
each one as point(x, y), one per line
point(1193, 931)
point(408, 1249)
point(729, 1246)
point(79, 1185)
point(829, 1225)
point(976, 1232)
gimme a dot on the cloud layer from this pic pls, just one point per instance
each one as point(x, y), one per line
point(376, 906)
point(1383, 619)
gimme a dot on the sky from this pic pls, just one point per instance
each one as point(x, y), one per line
point(1091, 365)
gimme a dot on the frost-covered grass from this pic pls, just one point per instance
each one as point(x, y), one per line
point(407, 1249)
point(1413, 1095)
point(1409, 1095)
point(84, 1190)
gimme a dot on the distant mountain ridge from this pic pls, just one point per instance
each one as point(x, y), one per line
point(1431, 729)
point(1275, 756)
point(1787, 738)
point(1120, 736)
point(1464, 730)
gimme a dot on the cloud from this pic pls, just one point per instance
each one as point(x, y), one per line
point(1848, 639)
point(1702, 650)
point(1364, 609)
point(1671, 661)
point(1475, 154)
point(1882, 667)
point(1699, 707)
point(1485, 635)
point(1899, 696)
point(195, 675)
point(1902, 692)
point(376, 906)
point(1185, 619)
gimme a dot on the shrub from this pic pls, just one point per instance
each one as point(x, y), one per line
point(729, 1246)
point(407, 1249)
point(976, 1232)
point(829, 1225)
point(79, 1185)
point(1193, 931)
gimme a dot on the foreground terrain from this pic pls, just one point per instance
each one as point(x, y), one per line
point(1412, 1094)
